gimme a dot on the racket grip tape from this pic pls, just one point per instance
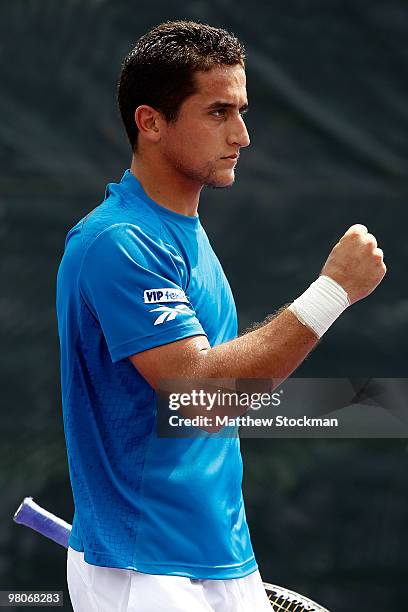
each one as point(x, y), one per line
point(32, 515)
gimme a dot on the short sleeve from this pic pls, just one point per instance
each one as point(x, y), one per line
point(132, 284)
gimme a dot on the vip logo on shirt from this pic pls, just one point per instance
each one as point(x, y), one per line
point(155, 296)
point(169, 313)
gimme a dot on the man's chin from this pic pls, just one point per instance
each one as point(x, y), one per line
point(220, 182)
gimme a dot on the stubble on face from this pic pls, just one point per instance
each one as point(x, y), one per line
point(207, 175)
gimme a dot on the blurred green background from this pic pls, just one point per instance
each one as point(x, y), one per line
point(328, 120)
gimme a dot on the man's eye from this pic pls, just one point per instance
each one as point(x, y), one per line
point(219, 112)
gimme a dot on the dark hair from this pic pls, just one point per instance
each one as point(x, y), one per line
point(159, 70)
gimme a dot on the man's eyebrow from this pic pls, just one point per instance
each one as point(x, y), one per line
point(222, 104)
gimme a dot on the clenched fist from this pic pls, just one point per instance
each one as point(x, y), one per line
point(356, 263)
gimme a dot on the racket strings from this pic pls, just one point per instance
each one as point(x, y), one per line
point(283, 600)
point(281, 604)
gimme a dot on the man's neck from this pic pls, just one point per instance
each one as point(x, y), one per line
point(167, 188)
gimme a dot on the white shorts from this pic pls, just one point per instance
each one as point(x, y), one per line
point(107, 589)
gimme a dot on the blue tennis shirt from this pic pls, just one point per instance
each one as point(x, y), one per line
point(135, 275)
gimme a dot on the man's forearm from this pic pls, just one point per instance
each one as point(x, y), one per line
point(272, 351)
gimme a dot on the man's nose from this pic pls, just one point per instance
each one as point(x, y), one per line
point(239, 135)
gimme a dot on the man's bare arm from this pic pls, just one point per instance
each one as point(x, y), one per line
point(276, 349)
point(272, 351)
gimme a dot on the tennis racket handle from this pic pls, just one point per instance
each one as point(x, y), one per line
point(32, 515)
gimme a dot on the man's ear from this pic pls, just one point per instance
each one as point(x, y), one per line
point(149, 122)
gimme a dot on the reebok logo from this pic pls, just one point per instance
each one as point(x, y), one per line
point(155, 296)
point(169, 313)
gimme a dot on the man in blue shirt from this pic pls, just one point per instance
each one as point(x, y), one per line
point(141, 297)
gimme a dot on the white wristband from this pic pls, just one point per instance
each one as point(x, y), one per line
point(320, 305)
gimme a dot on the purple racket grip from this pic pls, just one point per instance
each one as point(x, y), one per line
point(32, 515)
